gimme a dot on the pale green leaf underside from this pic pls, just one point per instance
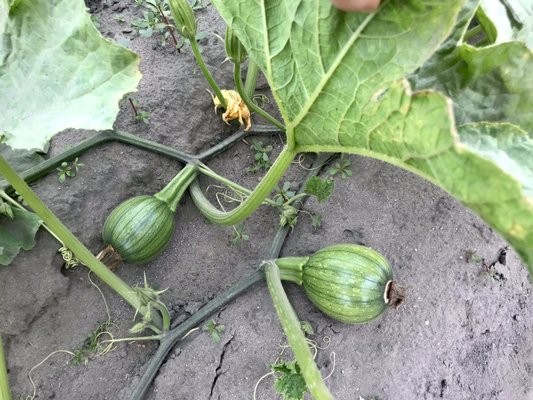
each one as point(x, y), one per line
point(17, 233)
point(57, 72)
point(337, 80)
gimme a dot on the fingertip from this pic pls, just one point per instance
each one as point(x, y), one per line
point(356, 5)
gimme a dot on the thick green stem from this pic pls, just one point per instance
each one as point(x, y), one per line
point(249, 102)
point(247, 207)
point(174, 190)
point(291, 268)
point(294, 198)
point(207, 74)
point(165, 314)
point(4, 383)
point(469, 34)
point(251, 78)
point(235, 186)
point(292, 328)
point(66, 237)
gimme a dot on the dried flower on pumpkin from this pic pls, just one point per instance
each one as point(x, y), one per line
point(235, 108)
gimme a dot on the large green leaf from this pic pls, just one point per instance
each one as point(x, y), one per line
point(16, 233)
point(57, 72)
point(486, 84)
point(337, 80)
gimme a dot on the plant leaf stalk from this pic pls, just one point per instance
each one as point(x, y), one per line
point(255, 199)
point(43, 168)
point(66, 237)
point(251, 78)
point(291, 326)
point(176, 334)
point(4, 384)
point(205, 71)
point(249, 102)
point(238, 188)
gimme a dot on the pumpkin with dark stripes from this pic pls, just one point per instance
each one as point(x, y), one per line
point(347, 282)
point(139, 229)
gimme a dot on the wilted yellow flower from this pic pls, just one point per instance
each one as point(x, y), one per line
point(235, 108)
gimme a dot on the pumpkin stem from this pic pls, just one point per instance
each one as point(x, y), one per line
point(395, 294)
point(110, 257)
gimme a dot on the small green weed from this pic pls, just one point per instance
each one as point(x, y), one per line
point(341, 167)
point(472, 257)
point(283, 193)
point(239, 235)
point(261, 156)
point(214, 329)
point(91, 346)
point(139, 115)
point(65, 170)
point(155, 19)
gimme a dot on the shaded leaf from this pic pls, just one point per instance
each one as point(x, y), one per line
point(20, 160)
point(320, 188)
point(57, 72)
point(337, 80)
point(17, 233)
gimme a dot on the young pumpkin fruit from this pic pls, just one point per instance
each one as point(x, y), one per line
point(140, 228)
point(350, 283)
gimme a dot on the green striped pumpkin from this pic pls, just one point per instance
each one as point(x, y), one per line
point(139, 228)
point(347, 282)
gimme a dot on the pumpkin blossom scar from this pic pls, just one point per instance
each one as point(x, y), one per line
point(235, 109)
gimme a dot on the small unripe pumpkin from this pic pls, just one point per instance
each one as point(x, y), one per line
point(139, 228)
point(347, 282)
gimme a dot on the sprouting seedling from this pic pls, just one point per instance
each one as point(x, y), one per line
point(65, 170)
point(283, 193)
point(261, 156)
point(214, 329)
point(472, 257)
point(341, 167)
point(140, 115)
point(239, 235)
point(156, 20)
point(119, 18)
